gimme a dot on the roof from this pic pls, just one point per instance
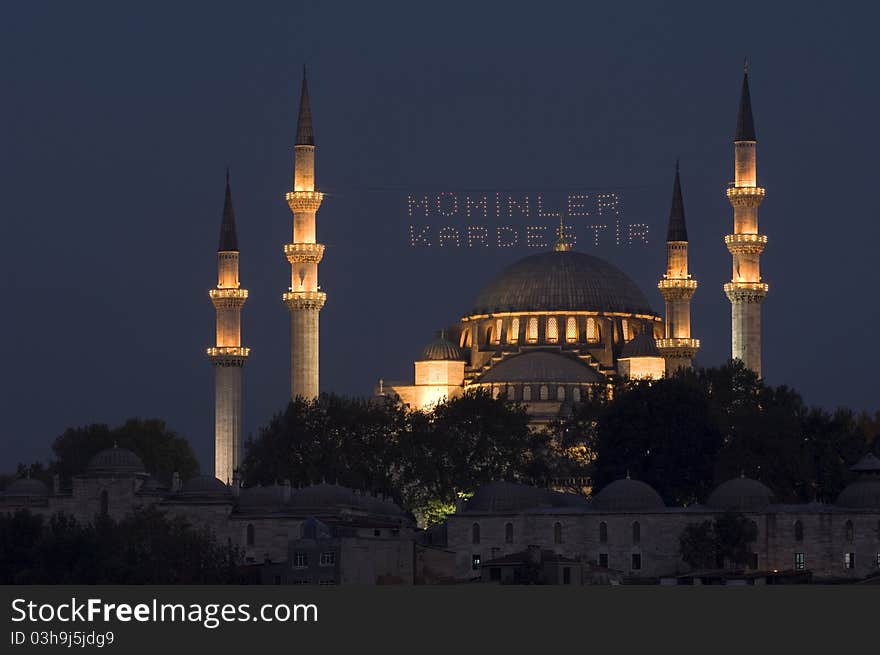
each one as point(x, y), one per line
point(561, 281)
point(305, 135)
point(204, 486)
point(26, 488)
point(867, 464)
point(627, 495)
point(441, 349)
point(677, 230)
point(116, 461)
point(524, 556)
point(228, 235)
point(641, 345)
point(514, 497)
point(541, 366)
point(745, 123)
point(742, 494)
point(861, 494)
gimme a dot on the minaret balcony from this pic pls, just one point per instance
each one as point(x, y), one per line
point(678, 348)
point(304, 201)
point(746, 291)
point(677, 288)
point(746, 244)
point(228, 355)
point(745, 196)
point(311, 300)
point(304, 253)
point(228, 298)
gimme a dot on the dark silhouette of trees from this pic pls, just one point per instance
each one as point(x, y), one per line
point(725, 540)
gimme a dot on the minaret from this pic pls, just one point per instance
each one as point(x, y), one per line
point(677, 288)
point(745, 289)
point(304, 300)
point(228, 355)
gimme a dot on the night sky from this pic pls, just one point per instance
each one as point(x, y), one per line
point(118, 122)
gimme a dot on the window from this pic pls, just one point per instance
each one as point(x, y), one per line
point(848, 528)
point(552, 330)
point(636, 563)
point(300, 560)
point(250, 534)
point(571, 329)
point(326, 582)
point(489, 334)
point(603, 532)
point(560, 393)
point(377, 533)
point(508, 533)
point(576, 394)
point(497, 335)
point(626, 329)
point(105, 503)
point(511, 392)
point(637, 532)
point(753, 561)
point(849, 560)
point(566, 575)
point(328, 559)
point(278, 579)
point(513, 333)
point(475, 533)
point(544, 392)
point(603, 560)
point(877, 561)
point(475, 561)
point(495, 574)
point(527, 392)
point(800, 562)
point(798, 531)
point(532, 330)
point(557, 533)
point(592, 330)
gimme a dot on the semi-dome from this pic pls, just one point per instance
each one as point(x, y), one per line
point(116, 461)
point(541, 366)
point(627, 495)
point(27, 488)
point(562, 281)
point(642, 345)
point(441, 349)
point(740, 494)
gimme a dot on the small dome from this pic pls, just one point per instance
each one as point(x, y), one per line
point(869, 464)
point(204, 485)
point(627, 495)
point(153, 485)
point(641, 345)
point(116, 460)
point(262, 496)
point(742, 494)
point(861, 494)
point(441, 349)
point(27, 488)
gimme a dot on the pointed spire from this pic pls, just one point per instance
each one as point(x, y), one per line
point(562, 245)
point(745, 124)
point(677, 228)
point(228, 236)
point(305, 136)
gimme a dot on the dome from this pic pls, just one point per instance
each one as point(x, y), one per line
point(742, 493)
point(441, 349)
point(204, 485)
point(861, 494)
point(116, 460)
point(262, 496)
point(513, 497)
point(541, 366)
point(27, 488)
point(627, 495)
point(562, 280)
point(641, 345)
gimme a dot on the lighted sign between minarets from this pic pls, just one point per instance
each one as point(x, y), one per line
point(304, 298)
point(228, 355)
point(677, 288)
point(745, 290)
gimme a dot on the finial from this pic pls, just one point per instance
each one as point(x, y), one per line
point(561, 244)
point(676, 164)
point(627, 474)
point(746, 65)
point(115, 444)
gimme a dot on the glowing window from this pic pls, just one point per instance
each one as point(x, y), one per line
point(626, 329)
point(511, 392)
point(576, 394)
point(497, 333)
point(592, 330)
point(560, 393)
point(849, 560)
point(800, 562)
point(544, 392)
point(513, 334)
point(527, 392)
point(552, 330)
point(571, 330)
point(532, 330)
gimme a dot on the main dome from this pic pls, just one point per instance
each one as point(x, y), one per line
point(562, 281)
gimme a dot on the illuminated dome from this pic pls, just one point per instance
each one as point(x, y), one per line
point(562, 281)
point(740, 494)
point(116, 461)
point(541, 366)
point(627, 495)
point(441, 349)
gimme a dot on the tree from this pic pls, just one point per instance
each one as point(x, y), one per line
point(697, 545)
point(726, 538)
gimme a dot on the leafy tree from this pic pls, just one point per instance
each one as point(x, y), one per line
point(727, 538)
point(697, 545)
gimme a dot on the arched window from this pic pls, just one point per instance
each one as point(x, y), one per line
point(105, 503)
point(475, 533)
point(637, 532)
point(511, 392)
point(849, 530)
point(557, 533)
point(571, 329)
point(508, 533)
point(544, 392)
point(250, 534)
point(625, 329)
point(798, 531)
point(603, 532)
point(513, 333)
point(592, 330)
point(527, 392)
point(497, 334)
point(576, 394)
point(552, 329)
point(560, 393)
point(489, 334)
point(532, 330)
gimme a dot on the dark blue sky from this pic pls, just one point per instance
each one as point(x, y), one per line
point(118, 121)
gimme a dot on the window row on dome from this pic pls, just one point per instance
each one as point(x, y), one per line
point(527, 392)
point(535, 329)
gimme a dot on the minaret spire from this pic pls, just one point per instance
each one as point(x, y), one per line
point(677, 288)
point(304, 298)
point(228, 355)
point(745, 290)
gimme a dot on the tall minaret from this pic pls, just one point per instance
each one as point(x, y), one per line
point(677, 288)
point(745, 289)
point(228, 355)
point(304, 300)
